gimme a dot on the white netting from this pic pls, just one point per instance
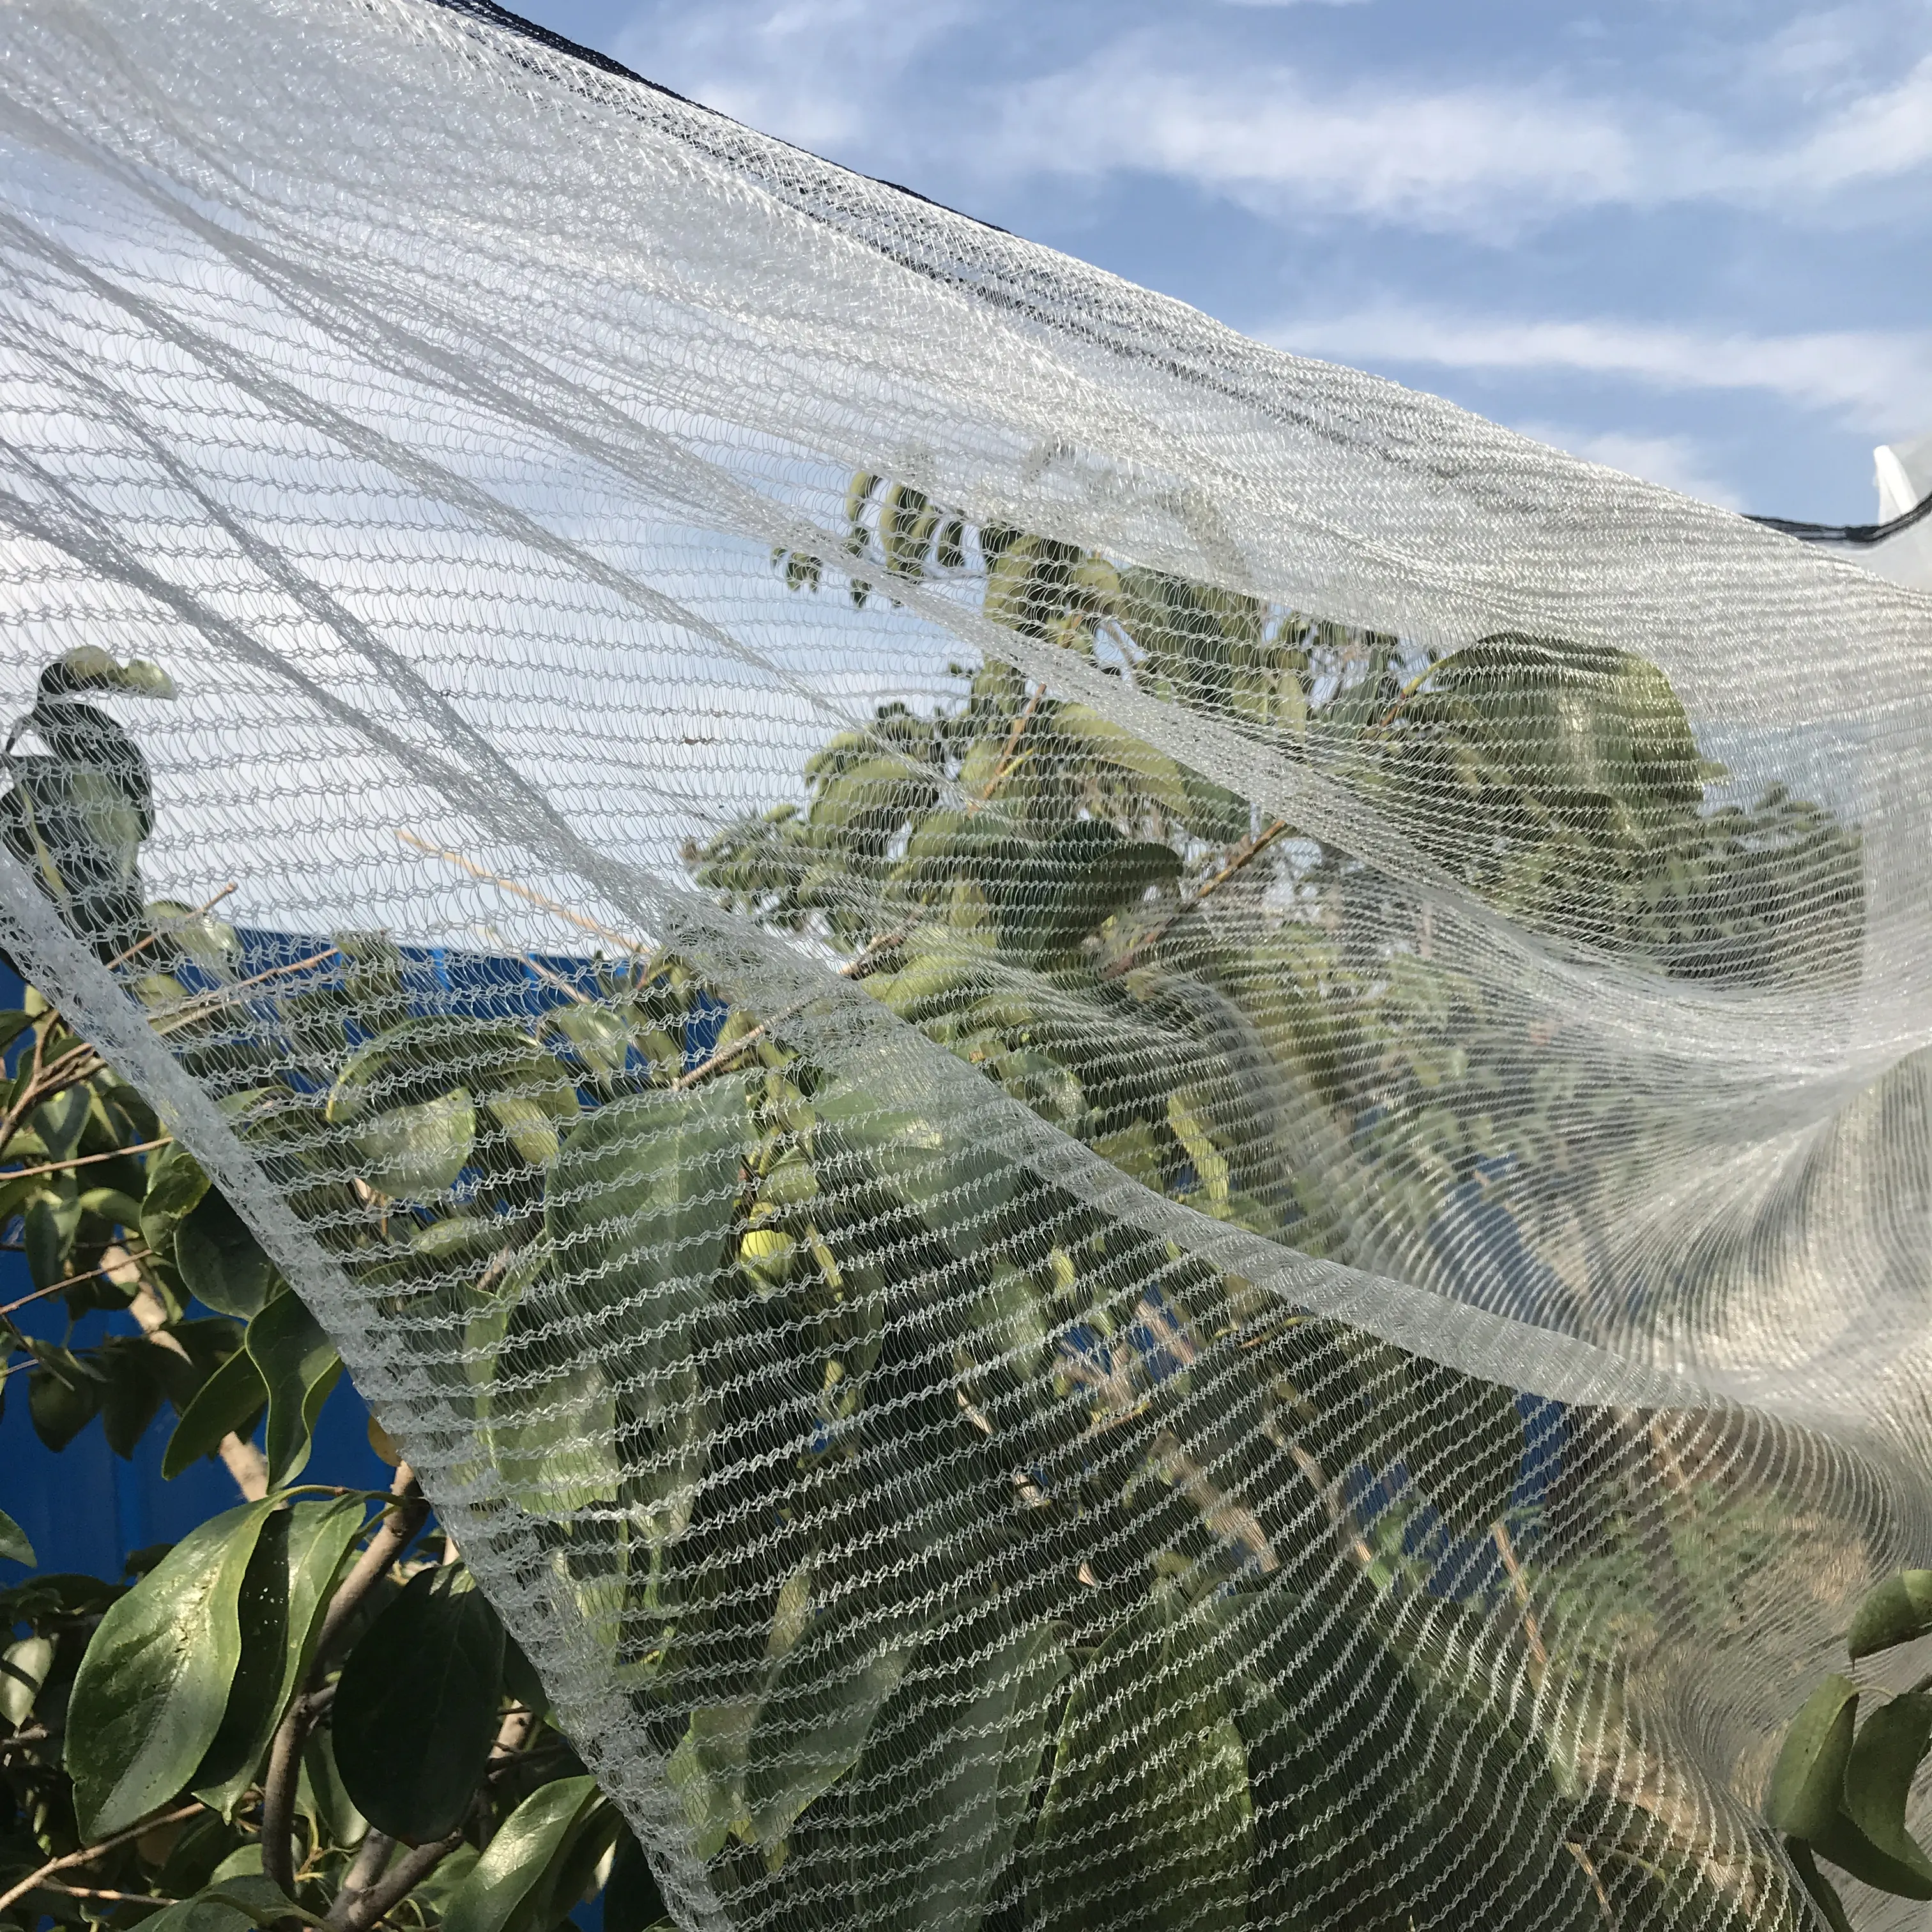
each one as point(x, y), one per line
point(1236, 1230)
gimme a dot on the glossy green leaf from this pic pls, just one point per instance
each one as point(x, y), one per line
point(1824, 1894)
point(176, 1184)
point(415, 1154)
point(151, 1689)
point(1148, 1800)
point(512, 1885)
point(221, 1262)
point(24, 1666)
point(415, 1707)
point(813, 1723)
point(409, 1099)
point(228, 1403)
point(323, 1797)
point(934, 1820)
point(283, 1601)
point(63, 1394)
point(245, 1902)
point(600, 1038)
point(299, 1367)
point(14, 1546)
point(1885, 1756)
point(1087, 733)
point(1898, 1611)
point(229, 1764)
point(1808, 1783)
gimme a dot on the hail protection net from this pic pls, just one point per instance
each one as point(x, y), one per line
point(1136, 1132)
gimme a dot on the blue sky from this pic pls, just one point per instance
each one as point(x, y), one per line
point(1686, 238)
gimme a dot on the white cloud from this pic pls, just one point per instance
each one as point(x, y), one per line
point(1873, 379)
point(1450, 158)
point(1485, 158)
point(819, 73)
point(1677, 462)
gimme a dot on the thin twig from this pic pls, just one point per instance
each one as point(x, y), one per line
point(209, 1002)
point(1251, 850)
point(118, 1898)
point(1007, 750)
point(75, 1280)
point(1519, 1585)
point(858, 966)
point(535, 899)
point(85, 1159)
point(142, 945)
point(372, 1857)
point(88, 1852)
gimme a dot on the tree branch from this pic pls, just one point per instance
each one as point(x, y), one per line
point(87, 1853)
point(405, 1517)
point(396, 1884)
point(372, 1858)
point(1251, 848)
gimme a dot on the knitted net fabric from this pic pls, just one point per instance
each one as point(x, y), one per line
point(1190, 1184)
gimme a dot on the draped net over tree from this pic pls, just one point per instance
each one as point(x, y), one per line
point(1233, 1228)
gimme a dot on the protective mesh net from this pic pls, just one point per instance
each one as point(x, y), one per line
point(1136, 1132)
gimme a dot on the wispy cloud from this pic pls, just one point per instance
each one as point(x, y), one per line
point(1872, 379)
point(1449, 158)
point(1487, 158)
point(823, 73)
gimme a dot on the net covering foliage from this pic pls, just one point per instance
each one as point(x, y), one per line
point(1225, 1224)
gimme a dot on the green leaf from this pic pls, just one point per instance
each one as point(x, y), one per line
point(415, 1154)
point(220, 1261)
point(23, 1669)
point(1885, 1757)
point(322, 1797)
point(1824, 1894)
point(1097, 738)
point(813, 1723)
point(283, 1601)
point(409, 1100)
point(415, 1708)
point(934, 1819)
point(149, 1696)
point(299, 1367)
point(132, 1388)
point(707, 1772)
point(63, 1397)
point(14, 1547)
point(551, 1423)
point(1148, 1801)
point(1898, 1611)
point(512, 1883)
point(632, 1902)
point(227, 1403)
point(228, 1766)
point(639, 1206)
point(1808, 1784)
point(955, 1183)
point(241, 1902)
point(47, 1229)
